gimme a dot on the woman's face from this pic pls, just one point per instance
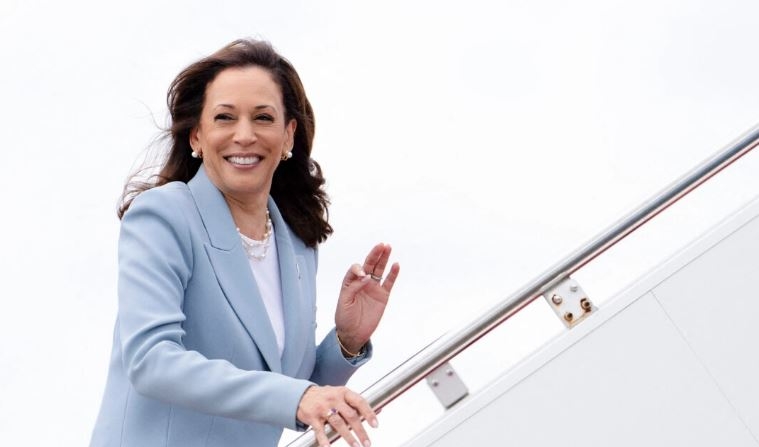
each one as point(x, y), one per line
point(242, 132)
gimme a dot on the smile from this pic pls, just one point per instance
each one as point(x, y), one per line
point(244, 161)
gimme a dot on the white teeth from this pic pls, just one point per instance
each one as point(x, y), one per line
point(244, 160)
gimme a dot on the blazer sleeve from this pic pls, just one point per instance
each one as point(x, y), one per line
point(331, 367)
point(155, 265)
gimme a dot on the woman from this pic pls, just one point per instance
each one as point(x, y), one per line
point(214, 343)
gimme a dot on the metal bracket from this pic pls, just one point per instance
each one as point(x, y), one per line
point(570, 302)
point(447, 385)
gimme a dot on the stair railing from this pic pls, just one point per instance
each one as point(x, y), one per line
point(443, 350)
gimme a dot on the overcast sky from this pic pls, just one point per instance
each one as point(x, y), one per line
point(484, 140)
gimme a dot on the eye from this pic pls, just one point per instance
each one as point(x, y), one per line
point(223, 117)
point(264, 117)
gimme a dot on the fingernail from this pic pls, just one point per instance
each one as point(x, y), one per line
point(374, 423)
point(356, 444)
point(367, 443)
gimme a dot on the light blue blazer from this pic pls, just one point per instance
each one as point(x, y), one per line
point(195, 359)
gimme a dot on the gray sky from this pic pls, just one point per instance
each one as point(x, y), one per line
point(483, 140)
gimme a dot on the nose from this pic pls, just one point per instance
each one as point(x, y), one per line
point(245, 133)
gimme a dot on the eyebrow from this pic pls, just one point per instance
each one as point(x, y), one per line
point(263, 106)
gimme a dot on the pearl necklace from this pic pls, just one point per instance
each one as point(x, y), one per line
point(256, 249)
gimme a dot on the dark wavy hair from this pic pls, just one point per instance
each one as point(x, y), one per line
point(297, 186)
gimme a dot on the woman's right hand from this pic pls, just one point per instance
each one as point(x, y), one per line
point(339, 407)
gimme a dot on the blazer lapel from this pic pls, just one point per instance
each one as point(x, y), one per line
point(296, 306)
point(232, 269)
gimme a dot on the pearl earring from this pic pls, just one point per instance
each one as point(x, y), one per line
point(196, 154)
point(287, 155)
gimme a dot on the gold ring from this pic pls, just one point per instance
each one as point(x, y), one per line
point(375, 277)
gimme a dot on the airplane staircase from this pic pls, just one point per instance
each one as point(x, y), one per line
point(672, 360)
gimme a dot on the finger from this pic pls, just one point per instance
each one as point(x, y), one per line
point(354, 271)
point(374, 259)
point(379, 268)
point(321, 436)
point(360, 404)
point(391, 277)
point(354, 278)
point(353, 419)
point(341, 427)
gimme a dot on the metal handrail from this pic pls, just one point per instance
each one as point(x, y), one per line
point(416, 369)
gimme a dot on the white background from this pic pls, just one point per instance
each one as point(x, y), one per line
point(483, 140)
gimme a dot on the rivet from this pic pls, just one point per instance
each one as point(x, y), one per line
point(586, 305)
point(448, 372)
point(435, 383)
point(556, 299)
point(568, 316)
point(573, 288)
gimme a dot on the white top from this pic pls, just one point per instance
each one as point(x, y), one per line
point(266, 272)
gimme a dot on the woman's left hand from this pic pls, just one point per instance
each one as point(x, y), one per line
point(363, 298)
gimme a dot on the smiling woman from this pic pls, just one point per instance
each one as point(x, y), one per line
point(214, 343)
point(242, 136)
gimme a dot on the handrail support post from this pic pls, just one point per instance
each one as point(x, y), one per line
point(569, 302)
point(447, 385)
